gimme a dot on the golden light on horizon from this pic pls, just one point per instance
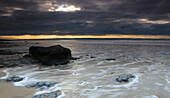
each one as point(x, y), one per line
point(86, 36)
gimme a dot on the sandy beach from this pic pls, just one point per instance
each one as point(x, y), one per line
point(7, 90)
point(97, 72)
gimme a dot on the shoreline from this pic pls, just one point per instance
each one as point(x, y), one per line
point(8, 90)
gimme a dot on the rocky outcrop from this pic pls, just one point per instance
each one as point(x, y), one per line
point(124, 78)
point(54, 94)
point(41, 85)
point(14, 79)
point(52, 55)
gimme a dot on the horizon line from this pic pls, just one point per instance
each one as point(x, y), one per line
point(85, 36)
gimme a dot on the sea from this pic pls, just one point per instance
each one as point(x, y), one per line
point(93, 75)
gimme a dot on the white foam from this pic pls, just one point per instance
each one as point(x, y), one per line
point(115, 95)
point(100, 63)
point(46, 91)
point(42, 92)
point(167, 79)
point(96, 92)
point(7, 74)
point(23, 71)
point(102, 72)
point(78, 62)
point(159, 84)
point(83, 83)
point(69, 70)
point(91, 90)
point(51, 89)
point(75, 73)
point(25, 81)
point(94, 96)
point(108, 90)
point(152, 96)
point(80, 83)
point(138, 61)
point(167, 88)
point(62, 95)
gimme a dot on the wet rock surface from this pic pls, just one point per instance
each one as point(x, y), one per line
point(26, 60)
point(54, 94)
point(8, 52)
point(41, 85)
point(124, 78)
point(14, 79)
point(53, 55)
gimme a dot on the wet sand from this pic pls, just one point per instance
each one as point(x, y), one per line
point(94, 77)
point(7, 90)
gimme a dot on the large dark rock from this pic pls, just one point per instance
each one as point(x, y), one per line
point(52, 55)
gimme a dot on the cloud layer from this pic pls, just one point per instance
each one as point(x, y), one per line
point(84, 17)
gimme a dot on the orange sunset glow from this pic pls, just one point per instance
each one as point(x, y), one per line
point(85, 36)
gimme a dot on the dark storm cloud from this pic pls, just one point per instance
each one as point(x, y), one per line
point(27, 4)
point(96, 17)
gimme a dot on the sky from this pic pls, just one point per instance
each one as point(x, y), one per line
point(84, 18)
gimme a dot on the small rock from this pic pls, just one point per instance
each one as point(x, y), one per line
point(14, 79)
point(92, 57)
point(75, 58)
point(87, 55)
point(112, 73)
point(110, 59)
point(48, 95)
point(41, 85)
point(124, 78)
point(80, 56)
point(2, 66)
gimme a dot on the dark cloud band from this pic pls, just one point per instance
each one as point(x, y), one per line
point(86, 17)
